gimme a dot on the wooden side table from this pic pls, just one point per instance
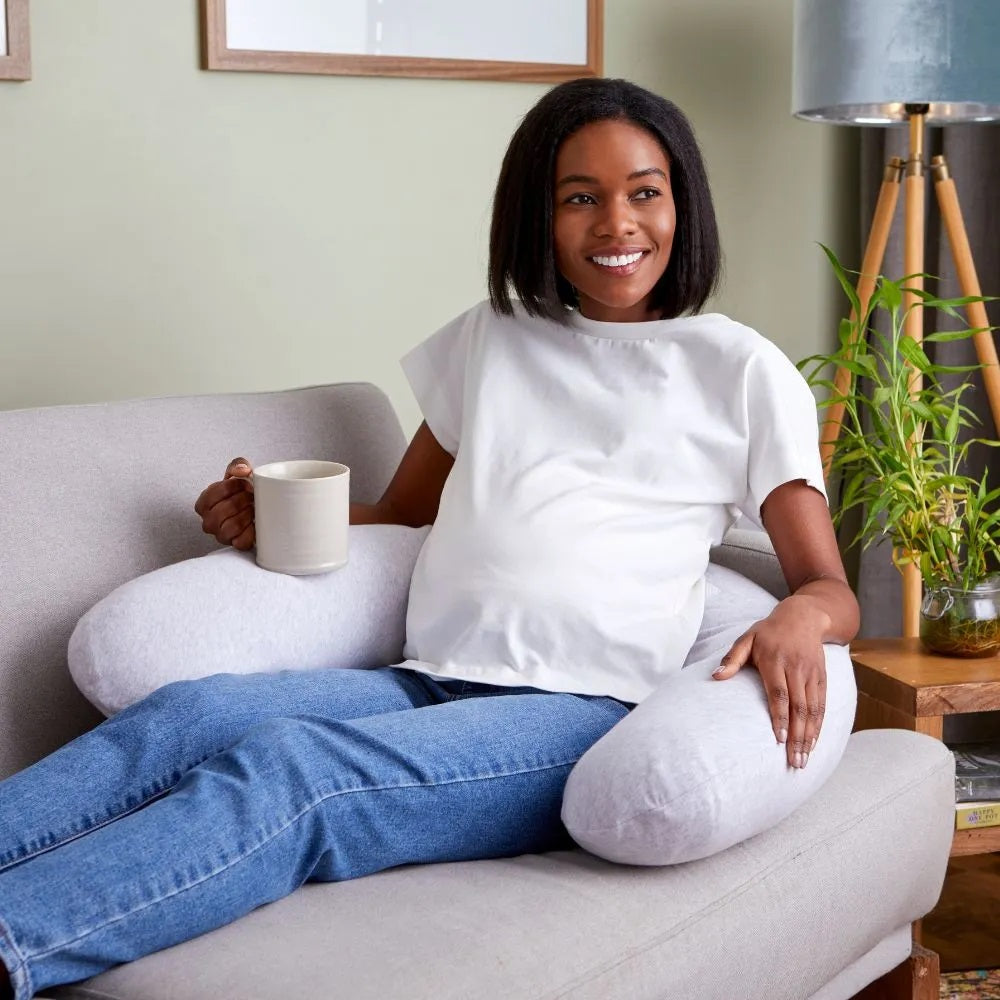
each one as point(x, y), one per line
point(901, 686)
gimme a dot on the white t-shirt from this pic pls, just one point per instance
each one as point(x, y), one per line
point(595, 466)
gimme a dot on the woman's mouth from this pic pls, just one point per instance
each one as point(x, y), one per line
point(625, 263)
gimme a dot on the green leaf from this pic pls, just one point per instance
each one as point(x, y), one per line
point(880, 503)
point(882, 395)
point(859, 366)
point(945, 336)
point(892, 294)
point(847, 335)
point(933, 302)
point(956, 369)
point(845, 283)
point(951, 428)
point(914, 353)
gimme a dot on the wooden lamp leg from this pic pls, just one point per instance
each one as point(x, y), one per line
point(961, 253)
point(913, 267)
point(871, 267)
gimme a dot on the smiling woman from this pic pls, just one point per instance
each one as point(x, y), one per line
point(604, 169)
point(15, 60)
point(614, 227)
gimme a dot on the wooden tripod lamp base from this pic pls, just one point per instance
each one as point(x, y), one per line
point(842, 73)
point(914, 183)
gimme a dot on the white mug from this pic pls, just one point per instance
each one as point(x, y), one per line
point(301, 514)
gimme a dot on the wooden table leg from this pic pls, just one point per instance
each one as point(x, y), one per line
point(918, 978)
point(874, 714)
point(932, 725)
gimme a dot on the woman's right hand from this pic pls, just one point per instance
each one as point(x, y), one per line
point(226, 507)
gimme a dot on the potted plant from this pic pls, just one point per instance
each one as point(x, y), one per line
point(899, 458)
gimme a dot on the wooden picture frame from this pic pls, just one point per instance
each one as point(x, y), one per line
point(15, 50)
point(585, 39)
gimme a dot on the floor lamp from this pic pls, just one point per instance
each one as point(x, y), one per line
point(915, 63)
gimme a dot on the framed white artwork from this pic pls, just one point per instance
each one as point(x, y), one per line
point(532, 40)
point(15, 59)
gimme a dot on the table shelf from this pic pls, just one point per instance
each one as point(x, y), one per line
point(901, 685)
point(979, 840)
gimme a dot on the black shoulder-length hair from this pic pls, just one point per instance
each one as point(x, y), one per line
point(522, 250)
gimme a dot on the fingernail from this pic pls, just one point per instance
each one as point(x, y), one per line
point(782, 735)
point(805, 759)
point(812, 746)
point(798, 759)
point(241, 465)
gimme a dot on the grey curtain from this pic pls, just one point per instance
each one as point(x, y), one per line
point(973, 155)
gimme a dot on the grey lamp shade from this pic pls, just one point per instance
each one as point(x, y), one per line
point(860, 61)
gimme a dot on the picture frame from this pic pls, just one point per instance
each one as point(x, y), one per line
point(535, 41)
point(15, 50)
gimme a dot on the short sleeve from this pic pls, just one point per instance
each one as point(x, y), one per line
point(436, 371)
point(783, 429)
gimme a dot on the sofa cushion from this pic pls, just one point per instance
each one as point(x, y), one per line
point(778, 916)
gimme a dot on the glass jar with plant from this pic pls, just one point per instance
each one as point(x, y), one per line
point(900, 459)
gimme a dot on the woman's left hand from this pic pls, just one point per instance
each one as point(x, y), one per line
point(787, 650)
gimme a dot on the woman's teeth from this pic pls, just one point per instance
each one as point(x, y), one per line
point(628, 258)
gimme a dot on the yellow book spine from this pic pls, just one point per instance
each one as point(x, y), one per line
point(969, 815)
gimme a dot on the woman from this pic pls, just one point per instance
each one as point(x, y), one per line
point(583, 448)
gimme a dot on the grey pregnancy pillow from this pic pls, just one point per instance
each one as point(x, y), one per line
point(221, 613)
point(695, 767)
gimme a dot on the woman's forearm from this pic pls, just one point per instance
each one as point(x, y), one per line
point(834, 604)
point(371, 513)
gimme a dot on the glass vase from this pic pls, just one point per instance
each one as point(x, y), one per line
point(957, 622)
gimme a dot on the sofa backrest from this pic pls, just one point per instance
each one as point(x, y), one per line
point(94, 495)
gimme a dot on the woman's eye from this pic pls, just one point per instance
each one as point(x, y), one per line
point(580, 199)
point(647, 193)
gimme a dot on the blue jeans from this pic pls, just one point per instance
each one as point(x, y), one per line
point(212, 797)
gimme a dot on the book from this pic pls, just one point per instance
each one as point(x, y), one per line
point(977, 772)
point(971, 815)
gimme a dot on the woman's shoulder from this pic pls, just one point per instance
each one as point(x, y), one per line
point(729, 353)
point(460, 327)
point(483, 314)
point(722, 337)
point(718, 326)
point(474, 314)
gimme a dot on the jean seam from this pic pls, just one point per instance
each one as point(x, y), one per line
point(14, 862)
point(263, 843)
point(22, 967)
point(89, 993)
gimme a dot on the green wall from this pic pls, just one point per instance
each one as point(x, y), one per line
point(166, 230)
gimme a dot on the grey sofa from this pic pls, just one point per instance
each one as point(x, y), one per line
point(818, 907)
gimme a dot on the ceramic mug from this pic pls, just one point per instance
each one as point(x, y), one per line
point(301, 514)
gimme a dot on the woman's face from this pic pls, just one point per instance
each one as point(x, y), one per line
point(614, 219)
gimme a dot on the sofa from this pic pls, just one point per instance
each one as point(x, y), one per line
point(819, 907)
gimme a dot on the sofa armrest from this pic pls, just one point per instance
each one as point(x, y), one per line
point(750, 553)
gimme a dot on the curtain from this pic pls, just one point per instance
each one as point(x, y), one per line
point(973, 155)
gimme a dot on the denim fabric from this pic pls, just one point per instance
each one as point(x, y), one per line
point(212, 797)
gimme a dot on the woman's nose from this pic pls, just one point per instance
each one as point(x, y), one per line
point(618, 219)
